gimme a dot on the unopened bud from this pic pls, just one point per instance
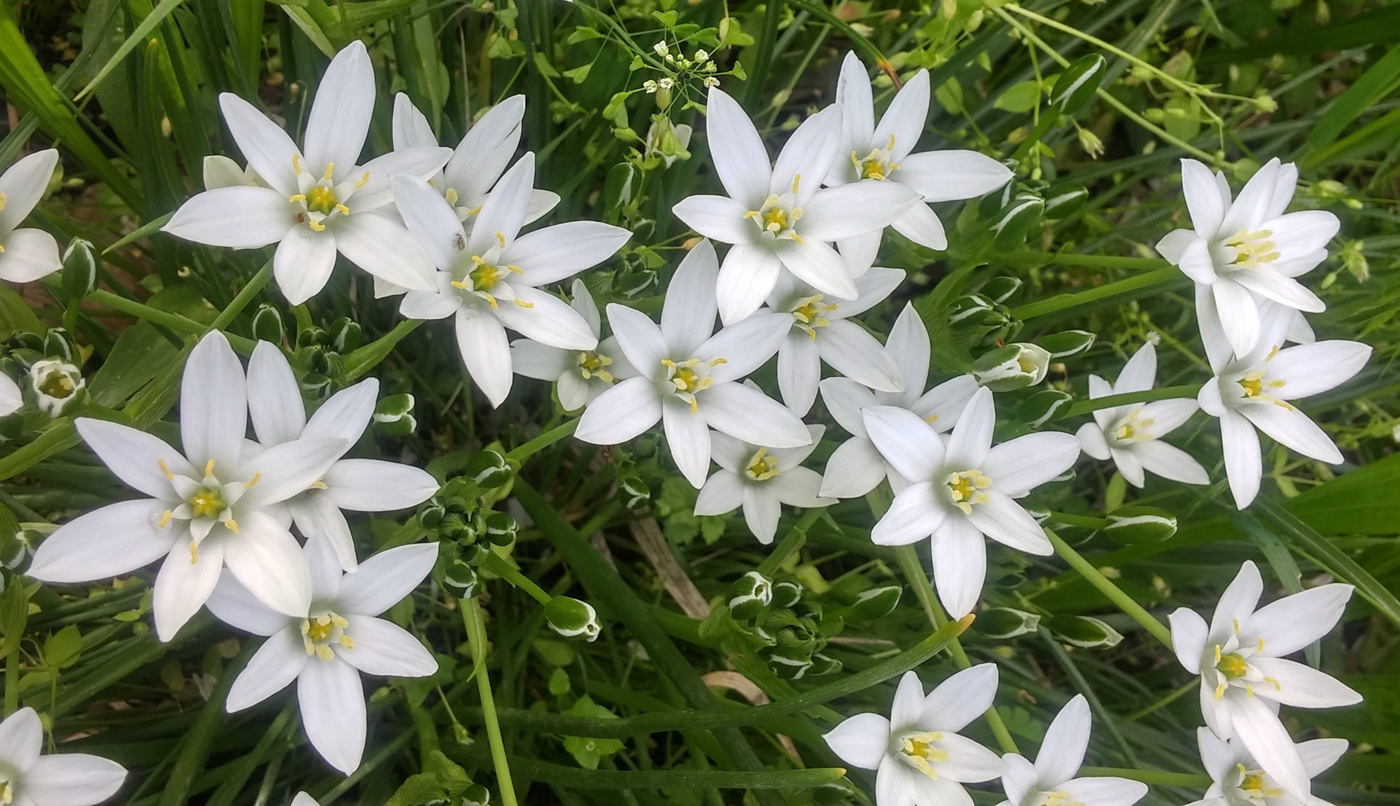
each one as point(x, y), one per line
point(572, 618)
point(749, 594)
point(786, 593)
point(1140, 524)
point(1078, 84)
point(1017, 219)
point(1014, 366)
point(1084, 632)
point(499, 528)
point(58, 387)
point(268, 325)
point(79, 270)
point(489, 469)
point(1005, 622)
point(875, 603)
point(460, 579)
point(344, 335)
point(1067, 344)
point(636, 491)
point(394, 415)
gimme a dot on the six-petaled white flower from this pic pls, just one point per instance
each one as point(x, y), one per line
point(821, 332)
point(920, 758)
point(358, 485)
point(211, 505)
point(856, 467)
point(1256, 390)
point(1052, 780)
point(778, 216)
point(760, 480)
point(489, 279)
point(1245, 677)
point(65, 779)
point(1237, 779)
point(689, 375)
point(26, 253)
point(964, 490)
point(884, 152)
point(581, 375)
point(1248, 249)
point(332, 641)
point(319, 201)
point(1131, 435)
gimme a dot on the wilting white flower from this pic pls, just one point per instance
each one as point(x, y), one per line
point(1244, 676)
point(478, 160)
point(1052, 781)
point(330, 643)
point(489, 279)
point(884, 152)
point(856, 467)
point(778, 216)
point(581, 375)
point(1132, 435)
point(209, 507)
point(761, 480)
point(65, 779)
point(26, 253)
point(356, 485)
point(1255, 389)
point(820, 332)
point(920, 757)
point(319, 202)
point(1237, 780)
point(56, 384)
point(11, 398)
point(689, 378)
point(1248, 247)
point(962, 491)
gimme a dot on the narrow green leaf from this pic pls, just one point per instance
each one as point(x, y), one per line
point(1378, 81)
point(157, 15)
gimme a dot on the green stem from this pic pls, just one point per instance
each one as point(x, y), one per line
point(197, 742)
point(1164, 701)
point(1078, 520)
point(1158, 777)
point(502, 568)
point(791, 542)
point(1109, 401)
point(1111, 591)
point(1034, 258)
point(918, 579)
point(367, 357)
point(245, 295)
point(476, 637)
point(1130, 288)
point(12, 681)
point(542, 441)
point(767, 40)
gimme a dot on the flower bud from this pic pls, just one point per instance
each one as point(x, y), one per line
point(58, 344)
point(749, 594)
point(1078, 84)
point(1017, 219)
point(393, 416)
point(1001, 289)
point(1091, 143)
point(636, 491)
point(1140, 524)
point(1064, 200)
point(787, 593)
point(1067, 344)
point(1005, 622)
point(268, 325)
point(79, 270)
point(58, 387)
point(489, 469)
point(790, 663)
point(823, 665)
point(1043, 406)
point(344, 335)
point(1014, 366)
point(499, 528)
point(475, 795)
point(1084, 632)
point(431, 514)
point(875, 603)
point(460, 579)
point(667, 141)
point(572, 618)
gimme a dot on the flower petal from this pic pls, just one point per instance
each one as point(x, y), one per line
point(110, 541)
point(1173, 244)
point(750, 416)
point(551, 254)
point(722, 493)
point(1024, 463)
point(799, 371)
point(914, 514)
point(385, 579)
point(808, 154)
point(346, 415)
point(410, 127)
point(904, 120)
point(317, 516)
point(688, 437)
point(852, 210)
point(1244, 465)
point(819, 266)
point(71, 779)
point(737, 151)
point(540, 361)
point(183, 584)
point(1320, 754)
point(332, 701)
point(1292, 428)
point(852, 351)
point(236, 606)
point(761, 512)
point(844, 399)
point(1311, 369)
point(748, 275)
point(239, 217)
point(968, 762)
point(486, 352)
point(1019, 780)
point(24, 184)
point(483, 154)
point(213, 403)
point(134, 456)
point(1239, 314)
point(620, 413)
point(1259, 728)
point(371, 485)
point(854, 469)
point(385, 249)
point(385, 649)
point(274, 400)
point(951, 175)
point(906, 442)
point(1105, 791)
point(29, 254)
point(416, 164)
point(265, 145)
point(959, 564)
point(908, 705)
point(1236, 603)
point(640, 339)
point(339, 119)
point(1139, 373)
point(799, 487)
point(921, 225)
point(717, 217)
point(971, 441)
point(1203, 201)
point(503, 212)
point(963, 697)
point(1169, 462)
point(267, 560)
point(1252, 205)
point(1066, 741)
point(21, 739)
point(860, 740)
point(272, 668)
point(908, 345)
point(1004, 521)
point(1268, 283)
point(739, 349)
point(1091, 441)
point(854, 97)
point(547, 319)
point(1301, 686)
point(303, 263)
point(1293, 622)
point(290, 468)
point(430, 219)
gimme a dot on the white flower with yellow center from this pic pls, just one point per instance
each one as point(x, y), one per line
point(919, 756)
point(777, 215)
point(320, 201)
point(963, 491)
point(1238, 780)
point(1240, 657)
point(821, 332)
point(1052, 780)
point(65, 779)
point(884, 152)
point(1248, 250)
point(26, 253)
point(580, 375)
point(209, 507)
point(856, 467)
point(327, 646)
point(689, 375)
point(1256, 390)
point(356, 485)
point(761, 480)
point(489, 279)
point(1131, 435)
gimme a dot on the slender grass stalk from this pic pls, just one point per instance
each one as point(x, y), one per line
point(543, 441)
point(1114, 593)
point(1109, 401)
point(476, 637)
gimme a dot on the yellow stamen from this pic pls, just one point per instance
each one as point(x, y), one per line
point(296, 163)
point(254, 480)
point(501, 238)
point(330, 169)
point(315, 225)
point(194, 552)
point(318, 485)
point(209, 468)
point(364, 179)
point(164, 519)
point(232, 525)
point(300, 197)
point(522, 303)
point(161, 464)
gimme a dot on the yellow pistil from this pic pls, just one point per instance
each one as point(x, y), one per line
point(810, 314)
point(762, 467)
point(321, 199)
point(484, 276)
point(1253, 249)
point(594, 365)
point(207, 502)
point(920, 751)
point(1233, 666)
point(966, 488)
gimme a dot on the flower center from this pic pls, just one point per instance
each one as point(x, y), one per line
point(1253, 249)
point(321, 199)
point(779, 214)
point(689, 377)
point(1233, 666)
point(321, 634)
point(1255, 784)
point(809, 314)
point(207, 502)
point(921, 752)
point(485, 277)
point(1133, 428)
point(57, 384)
point(592, 364)
point(1057, 798)
point(966, 488)
point(7, 787)
point(762, 466)
point(876, 165)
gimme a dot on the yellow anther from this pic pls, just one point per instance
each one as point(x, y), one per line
point(450, 195)
point(299, 197)
point(315, 225)
point(796, 180)
point(330, 170)
point(501, 238)
point(929, 419)
point(209, 468)
point(296, 163)
point(324, 652)
point(1261, 643)
point(522, 303)
point(966, 488)
point(4, 200)
point(475, 210)
point(254, 480)
point(1220, 691)
point(161, 464)
point(1217, 653)
point(164, 519)
point(1237, 626)
point(363, 180)
point(342, 209)
point(1273, 683)
point(317, 485)
point(694, 405)
point(719, 361)
point(194, 552)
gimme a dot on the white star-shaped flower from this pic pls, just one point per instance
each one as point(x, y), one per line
point(761, 480)
point(1053, 779)
point(1237, 779)
point(26, 253)
point(65, 779)
point(581, 375)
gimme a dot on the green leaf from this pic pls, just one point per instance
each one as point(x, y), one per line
point(14, 615)
point(1378, 82)
point(1019, 98)
point(16, 315)
point(950, 96)
point(62, 649)
point(157, 15)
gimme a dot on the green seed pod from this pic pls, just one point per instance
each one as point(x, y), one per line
point(1064, 200)
point(1067, 344)
point(499, 528)
point(460, 579)
point(268, 324)
point(1078, 84)
point(1043, 406)
point(1001, 289)
point(572, 618)
point(1014, 366)
point(394, 415)
point(1139, 524)
point(875, 603)
point(787, 593)
point(489, 469)
point(1005, 622)
point(79, 270)
point(1084, 632)
point(749, 594)
point(1017, 219)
